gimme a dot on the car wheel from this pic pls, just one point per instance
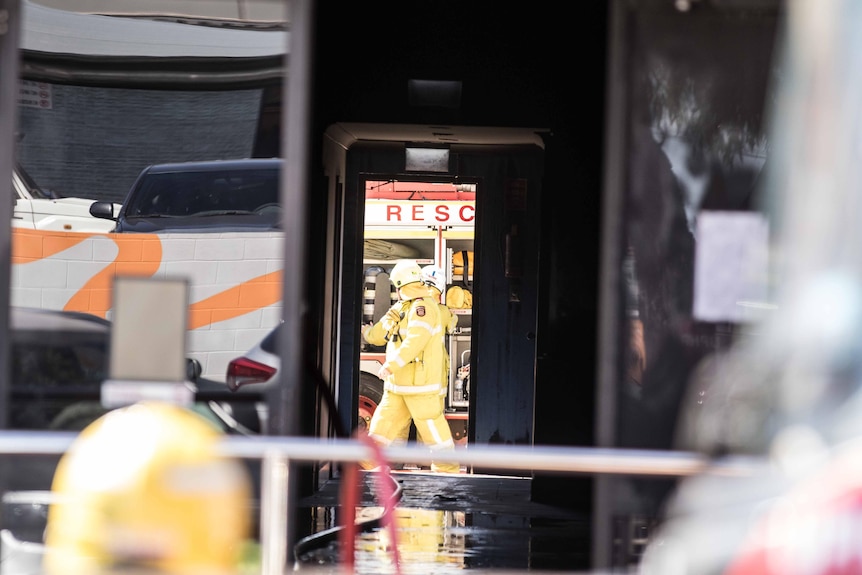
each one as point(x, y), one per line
point(370, 394)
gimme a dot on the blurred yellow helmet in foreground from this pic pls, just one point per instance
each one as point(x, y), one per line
point(144, 486)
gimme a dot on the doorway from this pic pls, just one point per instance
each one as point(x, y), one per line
point(433, 223)
point(506, 166)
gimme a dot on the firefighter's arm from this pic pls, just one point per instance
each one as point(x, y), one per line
point(453, 322)
point(423, 319)
point(381, 332)
point(374, 334)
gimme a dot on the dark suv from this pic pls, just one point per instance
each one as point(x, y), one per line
point(59, 361)
point(225, 195)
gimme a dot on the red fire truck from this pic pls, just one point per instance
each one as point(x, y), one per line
point(432, 223)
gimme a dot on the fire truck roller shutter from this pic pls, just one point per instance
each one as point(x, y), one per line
point(369, 295)
point(378, 294)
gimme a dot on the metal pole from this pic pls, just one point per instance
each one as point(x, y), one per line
point(284, 400)
point(10, 23)
point(276, 452)
point(814, 189)
point(274, 519)
point(294, 189)
point(611, 256)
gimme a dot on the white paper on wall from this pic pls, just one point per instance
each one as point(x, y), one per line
point(731, 267)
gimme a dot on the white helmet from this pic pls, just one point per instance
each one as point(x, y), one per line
point(405, 272)
point(433, 276)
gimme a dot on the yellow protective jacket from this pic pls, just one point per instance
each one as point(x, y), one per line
point(450, 320)
point(414, 349)
point(381, 332)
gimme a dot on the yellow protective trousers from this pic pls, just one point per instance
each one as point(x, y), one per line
point(396, 410)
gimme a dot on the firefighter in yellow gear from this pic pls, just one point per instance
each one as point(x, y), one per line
point(433, 277)
point(413, 372)
point(143, 488)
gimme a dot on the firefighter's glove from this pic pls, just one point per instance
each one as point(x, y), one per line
point(384, 372)
point(392, 316)
point(390, 323)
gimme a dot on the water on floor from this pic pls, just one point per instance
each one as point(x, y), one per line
point(446, 524)
point(441, 542)
point(443, 524)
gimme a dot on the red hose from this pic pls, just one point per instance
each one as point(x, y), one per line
point(349, 496)
point(386, 494)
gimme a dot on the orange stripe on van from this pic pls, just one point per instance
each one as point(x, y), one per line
point(239, 300)
point(141, 255)
point(31, 245)
point(138, 255)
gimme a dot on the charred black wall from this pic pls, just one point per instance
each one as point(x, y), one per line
point(532, 67)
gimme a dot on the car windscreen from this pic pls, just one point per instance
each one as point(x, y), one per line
point(31, 184)
point(181, 194)
point(53, 371)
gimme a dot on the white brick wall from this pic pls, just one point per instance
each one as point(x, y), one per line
point(223, 271)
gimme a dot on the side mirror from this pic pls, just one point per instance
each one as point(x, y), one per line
point(193, 369)
point(104, 210)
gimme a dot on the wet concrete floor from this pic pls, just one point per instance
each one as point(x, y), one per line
point(443, 524)
point(446, 523)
